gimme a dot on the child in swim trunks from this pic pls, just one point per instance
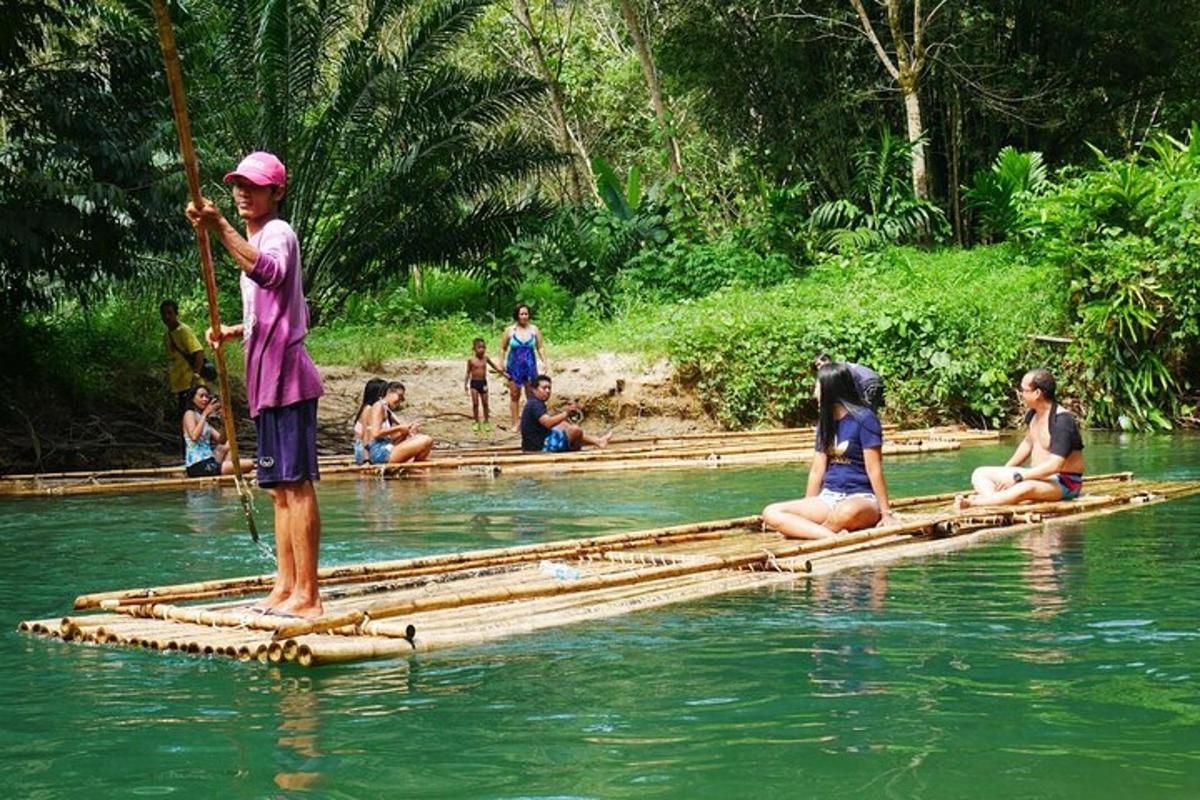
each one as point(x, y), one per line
point(475, 382)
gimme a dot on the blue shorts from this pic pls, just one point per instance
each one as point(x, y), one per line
point(360, 455)
point(556, 442)
point(380, 451)
point(287, 444)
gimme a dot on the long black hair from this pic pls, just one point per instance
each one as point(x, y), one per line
point(372, 391)
point(837, 387)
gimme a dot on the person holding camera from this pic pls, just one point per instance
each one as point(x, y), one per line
point(206, 451)
point(544, 432)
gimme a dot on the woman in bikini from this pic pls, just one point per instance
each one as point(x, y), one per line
point(846, 490)
point(380, 435)
point(520, 347)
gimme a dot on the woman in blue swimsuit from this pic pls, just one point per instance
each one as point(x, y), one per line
point(520, 348)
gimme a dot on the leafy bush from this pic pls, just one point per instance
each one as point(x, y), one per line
point(682, 269)
point(882, 208)
point(1127, 237)
point(947, 330)
point(997, 195)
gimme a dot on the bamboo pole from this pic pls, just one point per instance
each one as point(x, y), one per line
point(166, 38)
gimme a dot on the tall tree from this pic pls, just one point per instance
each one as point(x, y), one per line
point(629, 13)
point(578, 169)
point(397, 155)
point(906, 68)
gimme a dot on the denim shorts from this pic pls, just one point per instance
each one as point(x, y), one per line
point(831, 498)
point(380, 450)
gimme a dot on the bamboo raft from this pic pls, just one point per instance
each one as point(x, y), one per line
point(671, 452)
point(394, 608)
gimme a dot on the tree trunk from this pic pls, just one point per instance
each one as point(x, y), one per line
point(652, 84)
point(912, 114)
point(578, 176)
point(955, 138)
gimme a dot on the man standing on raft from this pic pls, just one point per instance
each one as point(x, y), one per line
point(1053, 441)
point(282, 382)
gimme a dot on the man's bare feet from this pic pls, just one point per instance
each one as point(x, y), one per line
point(604, 440)
point(276, 598)
point(296, 608)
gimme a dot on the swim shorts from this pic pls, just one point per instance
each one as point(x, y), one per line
point(287, 444)
point(479, 385)
point(1071, 484)
point(556, 442)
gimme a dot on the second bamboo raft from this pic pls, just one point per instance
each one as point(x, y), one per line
point(394, 608)
point(793, 445)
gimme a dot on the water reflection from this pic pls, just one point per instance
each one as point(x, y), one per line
point(298, 728)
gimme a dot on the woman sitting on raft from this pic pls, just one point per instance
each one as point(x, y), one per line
point(846, 490)
point(206, 453)
point(379, 437)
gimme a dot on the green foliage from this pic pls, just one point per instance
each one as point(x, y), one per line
point(998, 194)
point(397, 156)
point(946, 329)
point(683, 269)
point(1127, 236)
point(881, 208)
point(82, 130)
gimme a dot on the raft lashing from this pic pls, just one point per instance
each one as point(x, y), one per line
point(395, 608)
point(737, 448)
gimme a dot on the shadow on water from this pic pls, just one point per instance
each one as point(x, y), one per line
point(1060, 663)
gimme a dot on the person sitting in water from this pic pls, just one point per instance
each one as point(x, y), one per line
point(1052, 444)
point(552, 433)
point(381, 436)
point(846, 490)
point(867, 380)
point(206, 453)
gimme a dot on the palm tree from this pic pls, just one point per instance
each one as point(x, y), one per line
point(396, 155)
point(882, 208)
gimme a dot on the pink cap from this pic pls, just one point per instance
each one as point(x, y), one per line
point(260, 168)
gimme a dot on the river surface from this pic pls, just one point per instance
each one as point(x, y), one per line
point(1059, 664)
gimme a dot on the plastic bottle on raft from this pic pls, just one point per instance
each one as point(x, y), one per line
point(560, 571)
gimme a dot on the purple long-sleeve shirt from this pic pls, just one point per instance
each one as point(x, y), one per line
point(279, 371)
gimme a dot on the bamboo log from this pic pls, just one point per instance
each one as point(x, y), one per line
point(95, 599)
point(387, 609)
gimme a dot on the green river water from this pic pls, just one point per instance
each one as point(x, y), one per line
point(1060, 664)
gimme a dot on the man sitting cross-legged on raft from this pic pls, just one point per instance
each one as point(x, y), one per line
point(551, 433)
point(1053, 441)
point(846, 490)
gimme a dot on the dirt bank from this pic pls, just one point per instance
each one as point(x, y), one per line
point(617, 391)
point(137, 428)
